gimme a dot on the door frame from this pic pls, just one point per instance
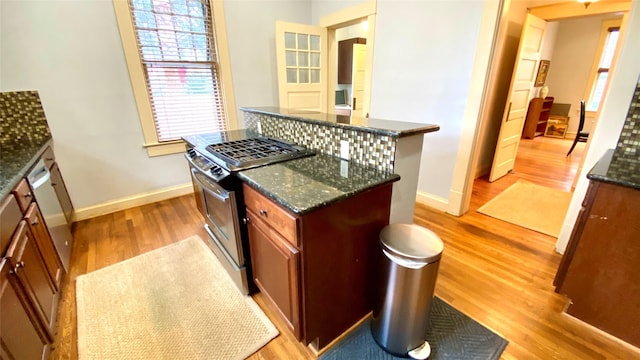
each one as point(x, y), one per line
point(466, 162)
point(343, 18)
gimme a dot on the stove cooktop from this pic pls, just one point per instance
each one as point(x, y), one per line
point(253, 152)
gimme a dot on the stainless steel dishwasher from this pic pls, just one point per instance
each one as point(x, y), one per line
point(54, 217)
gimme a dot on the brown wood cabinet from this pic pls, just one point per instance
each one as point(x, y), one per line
point(32, 273)
point(21, 335)
point(23, 194)
point(29, 267)
point(537, 116)
point(345, 59)
point(276, 265)
point(10, 216)
point(317, 268)
point(599, 269)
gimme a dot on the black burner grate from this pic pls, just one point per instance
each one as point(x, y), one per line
point(254, 151)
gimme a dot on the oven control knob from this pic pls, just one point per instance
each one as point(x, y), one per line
point(191, 153)
point(216, 170)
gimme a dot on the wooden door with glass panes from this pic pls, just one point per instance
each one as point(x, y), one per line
point(301, 53)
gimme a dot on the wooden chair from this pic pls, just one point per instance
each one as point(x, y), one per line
point(581, 136)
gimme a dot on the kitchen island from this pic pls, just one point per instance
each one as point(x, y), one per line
point(314, 226)
point(307, 226)
point(386, 145)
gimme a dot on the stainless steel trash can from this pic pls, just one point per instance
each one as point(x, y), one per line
point(405, 292)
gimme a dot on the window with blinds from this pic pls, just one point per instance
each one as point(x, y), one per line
point(602, 70)
point(177, 47)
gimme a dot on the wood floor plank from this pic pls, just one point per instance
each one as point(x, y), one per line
point(497, 273)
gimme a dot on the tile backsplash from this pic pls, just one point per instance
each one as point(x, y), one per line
point(365, 148)
point(629, 141)
point(22, 118)
point(626, 156)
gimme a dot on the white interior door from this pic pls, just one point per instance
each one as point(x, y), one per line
point(358, 76)
point(522, 81)
point(301, 53)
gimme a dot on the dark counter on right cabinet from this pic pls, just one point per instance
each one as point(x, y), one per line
point(599, 271)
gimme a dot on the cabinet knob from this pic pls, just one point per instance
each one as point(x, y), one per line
point(18, 266)
point(263, 212)
point(34, 222)
point(27, 195)
point(245, 221)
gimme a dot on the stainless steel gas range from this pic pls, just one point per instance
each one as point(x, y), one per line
point(214, 160)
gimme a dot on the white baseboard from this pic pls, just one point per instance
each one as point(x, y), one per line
point(132, 201)
point(433, 201)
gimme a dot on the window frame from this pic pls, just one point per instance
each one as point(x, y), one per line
point(138, 82)
point(595, 68)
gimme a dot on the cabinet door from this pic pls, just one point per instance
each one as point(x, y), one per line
point(45, 244)
point(275, 269)
point(20, 337)
point(24, 257)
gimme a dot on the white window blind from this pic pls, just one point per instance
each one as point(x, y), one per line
point(606, 58)
point(176, 42)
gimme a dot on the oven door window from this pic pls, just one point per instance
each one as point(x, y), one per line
point(221, 213)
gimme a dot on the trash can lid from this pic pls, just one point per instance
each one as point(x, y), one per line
point(412, 242)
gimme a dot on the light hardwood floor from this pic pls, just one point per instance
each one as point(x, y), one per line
point(497, 273)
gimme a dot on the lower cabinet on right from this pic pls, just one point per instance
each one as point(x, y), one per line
point(599, 271)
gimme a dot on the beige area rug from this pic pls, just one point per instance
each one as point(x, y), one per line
point(175, 302)
point(531, 206)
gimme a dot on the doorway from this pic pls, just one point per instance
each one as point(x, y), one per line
point(316, 92)
point(352, 22)
point(468, 190)
point(493, 109)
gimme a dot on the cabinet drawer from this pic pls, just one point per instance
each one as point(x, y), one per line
point(272, 214)
point(10, 216)
point(23, 194)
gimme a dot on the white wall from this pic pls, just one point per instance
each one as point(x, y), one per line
point(320, 8)
point(612, 116)
point(423, 57)
point(70, 51)
point(251, 37)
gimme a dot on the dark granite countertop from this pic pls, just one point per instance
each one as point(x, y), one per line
point(306, 184)
point(378, 126)
point(16, 159)
point(617, 168)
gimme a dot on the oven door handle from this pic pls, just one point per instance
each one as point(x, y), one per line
point(212, 188)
